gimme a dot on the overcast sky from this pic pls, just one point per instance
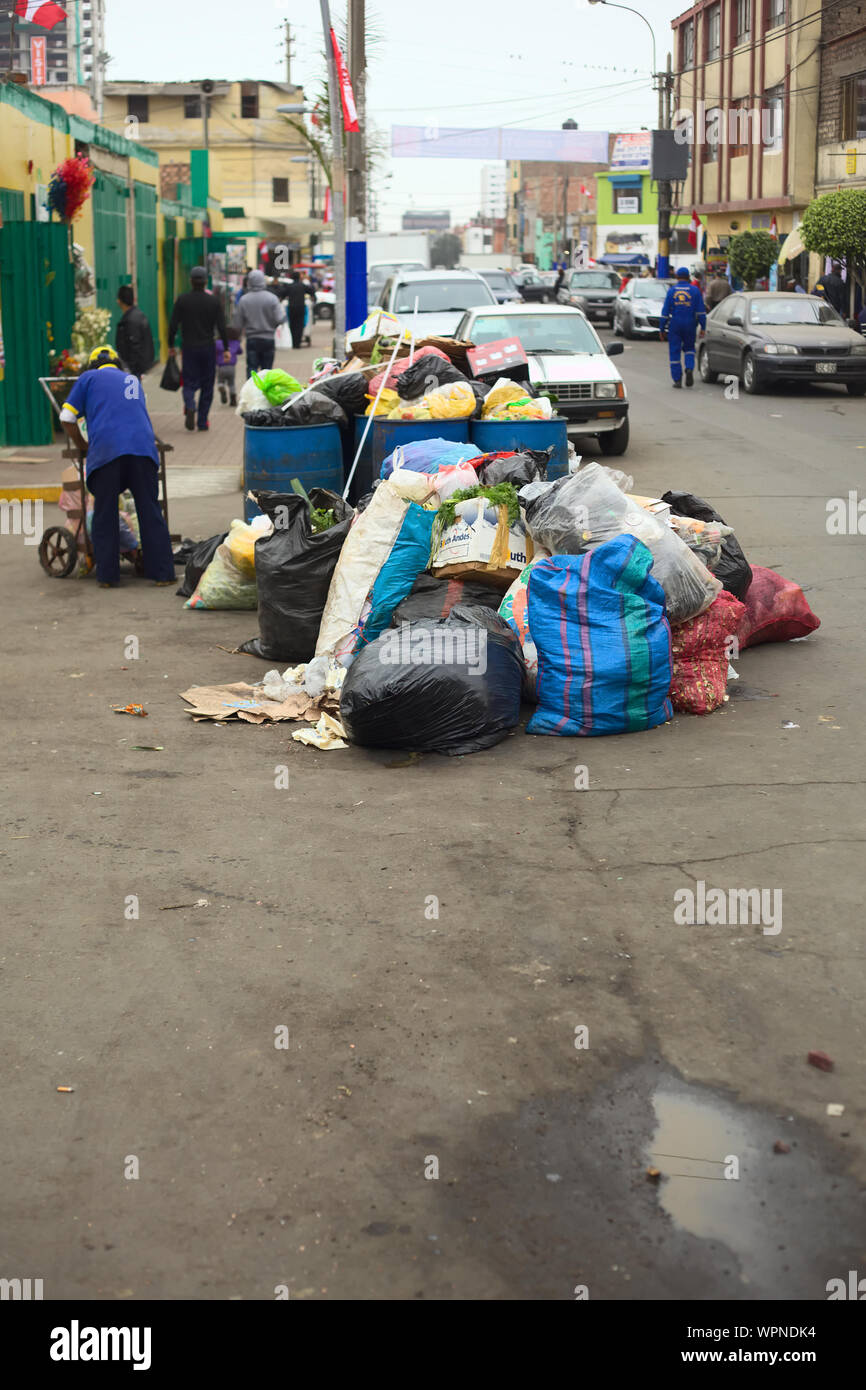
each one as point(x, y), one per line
point(433, 62)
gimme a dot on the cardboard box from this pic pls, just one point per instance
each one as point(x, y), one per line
point(659, 509)
point(478, 546)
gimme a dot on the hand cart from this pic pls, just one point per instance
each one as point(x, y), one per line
point(60, 546)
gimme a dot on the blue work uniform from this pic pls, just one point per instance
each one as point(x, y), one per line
point(121, 456)
point(682, 313)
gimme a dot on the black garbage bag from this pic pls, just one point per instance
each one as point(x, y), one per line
point(199, 558)
point(170, 379)
point(527, 466)
point(732, 568)
point(294, 566)
point(432, 597)
point(314, 408)
point(481, 389)
point(435, 687)
point(267, 416)
point(425, 374)
point(349, 390)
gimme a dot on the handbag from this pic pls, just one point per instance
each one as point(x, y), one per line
point(170, 380)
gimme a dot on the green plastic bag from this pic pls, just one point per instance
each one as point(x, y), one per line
point(276, 384)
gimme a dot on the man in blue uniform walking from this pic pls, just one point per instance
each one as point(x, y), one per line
point(683, 310)
point(120, 453)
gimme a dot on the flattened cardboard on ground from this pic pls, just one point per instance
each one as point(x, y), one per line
point(240, 701)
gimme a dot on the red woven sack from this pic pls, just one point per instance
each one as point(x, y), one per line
point(699, 646)
point(776, 610)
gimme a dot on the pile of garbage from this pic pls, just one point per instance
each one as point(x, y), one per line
point(465, 584)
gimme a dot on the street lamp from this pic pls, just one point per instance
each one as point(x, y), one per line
point(612, 6)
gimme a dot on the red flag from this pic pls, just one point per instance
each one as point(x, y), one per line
point(42, 12)
point(350, 115)
point(774, 227)
point(694, 229)
point(326, 212)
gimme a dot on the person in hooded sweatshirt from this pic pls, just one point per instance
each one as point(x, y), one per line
point(257, 317)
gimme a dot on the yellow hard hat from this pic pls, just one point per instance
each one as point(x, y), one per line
point(101, 355)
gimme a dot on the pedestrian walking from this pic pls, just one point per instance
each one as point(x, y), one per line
point(226, 370)
point(199, 317)
point(257, 316)
point(718, 289)
point(834, 289)
point(120, 453)
point(133, 338)
point(683, 310)
point(296, 299)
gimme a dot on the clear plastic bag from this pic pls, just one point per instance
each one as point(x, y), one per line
point(583, 510)
point(454, 401)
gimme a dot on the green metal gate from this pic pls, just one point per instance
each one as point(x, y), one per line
point(110, 202)
point(37, 305)
point(146, 267)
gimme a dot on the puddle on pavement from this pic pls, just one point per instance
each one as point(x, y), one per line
point(747, 692)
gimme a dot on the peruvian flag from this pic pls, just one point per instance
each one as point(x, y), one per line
point(42, 12)
point(350, 115)
point(694, 230)
point(326, 212)
point(774, 227)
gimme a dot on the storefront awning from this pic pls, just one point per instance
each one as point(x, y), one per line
point(792, 246)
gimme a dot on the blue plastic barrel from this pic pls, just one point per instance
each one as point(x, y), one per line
point(276, 454)
point(388, 434)
point(497, 436)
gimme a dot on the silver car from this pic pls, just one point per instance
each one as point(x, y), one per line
point(592, 291)
point(637, 311)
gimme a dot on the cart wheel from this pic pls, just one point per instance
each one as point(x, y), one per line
point(58, 552)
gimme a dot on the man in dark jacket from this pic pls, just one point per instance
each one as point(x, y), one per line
point(295, 299)
point(133, 338)
point(200, 318)
point(834, 289)
point(718, 289)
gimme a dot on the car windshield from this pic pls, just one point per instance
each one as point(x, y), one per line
point(379, 273)
point(438, 296)
point(777, 313)
point(649, 289)
point(563, 333)
point(498, 280)
point(593, 280)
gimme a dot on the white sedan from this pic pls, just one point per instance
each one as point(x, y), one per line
point(567, 361)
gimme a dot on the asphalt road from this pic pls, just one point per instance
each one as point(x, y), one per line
point(410, 1038)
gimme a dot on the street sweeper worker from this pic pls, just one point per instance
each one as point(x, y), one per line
point(120, 454)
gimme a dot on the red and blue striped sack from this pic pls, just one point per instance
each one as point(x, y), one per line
point(604, 642)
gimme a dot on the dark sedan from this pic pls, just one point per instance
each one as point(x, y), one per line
point(532, 288)
point(502, 285)
point(592, 291)
point(765, 337)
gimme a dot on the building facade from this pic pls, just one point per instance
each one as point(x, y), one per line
point(263, 167)
point(841, 159)
point(746, 87)
point(71, 54)
point(494, 190)
point(550, 208)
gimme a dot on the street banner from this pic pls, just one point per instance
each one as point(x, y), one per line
point(37, 62)
point(350, 115)
point(499, 142)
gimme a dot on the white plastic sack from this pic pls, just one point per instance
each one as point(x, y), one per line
point(251, 397)
point(365, 550)
point(585, 509)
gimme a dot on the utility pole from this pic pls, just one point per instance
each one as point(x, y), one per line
point(665, 187)
point(337, 185)
point(356, 173)
point(288, 53)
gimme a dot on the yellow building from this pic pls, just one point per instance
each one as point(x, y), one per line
point(262, 166)
point(746, 97)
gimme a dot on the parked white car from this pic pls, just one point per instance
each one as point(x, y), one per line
point(567, 359)
point(442, 297)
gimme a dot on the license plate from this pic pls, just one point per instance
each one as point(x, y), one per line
point(825, 367)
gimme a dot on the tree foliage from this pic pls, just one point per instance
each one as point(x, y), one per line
point(834, 225)
point(446, 250)
point(750, 255)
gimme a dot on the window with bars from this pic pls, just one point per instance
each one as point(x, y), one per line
point(775, 13)
point(280, 192)
point(250, 100)
point(192, 107)
point(712, 31)
point(853, 107)
point(742, 120)
point(687, 44)
point(712, 131)
point(138, 106)
point(743, 20)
